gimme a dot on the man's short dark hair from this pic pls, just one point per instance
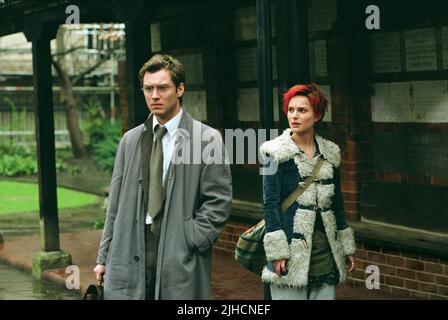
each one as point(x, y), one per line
point(164, 62)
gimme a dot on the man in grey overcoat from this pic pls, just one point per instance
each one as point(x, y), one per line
point(160, 225)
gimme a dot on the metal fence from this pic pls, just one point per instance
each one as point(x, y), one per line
point(17, 116)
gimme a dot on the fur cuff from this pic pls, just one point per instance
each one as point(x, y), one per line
point(348, 241)
point(276, 246)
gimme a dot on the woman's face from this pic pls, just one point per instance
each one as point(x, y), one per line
point(300, 115)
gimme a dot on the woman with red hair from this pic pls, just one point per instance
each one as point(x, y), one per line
point(309, 247)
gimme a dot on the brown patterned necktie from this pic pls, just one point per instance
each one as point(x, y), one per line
point(155, 196)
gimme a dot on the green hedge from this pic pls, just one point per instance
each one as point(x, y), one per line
point(22, 160)
point(104, 136)
point(103, 140)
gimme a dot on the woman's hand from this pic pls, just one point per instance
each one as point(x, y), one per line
point(280, 267)
point(350, 263)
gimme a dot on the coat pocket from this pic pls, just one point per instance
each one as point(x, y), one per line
point(188, 233)
point(121, 277)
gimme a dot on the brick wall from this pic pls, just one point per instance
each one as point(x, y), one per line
point(415, 180)
point(227, 241)
point(402, 274)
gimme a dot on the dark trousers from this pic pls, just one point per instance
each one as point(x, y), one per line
point(151, 245)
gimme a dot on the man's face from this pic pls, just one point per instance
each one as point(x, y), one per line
point(161, 95)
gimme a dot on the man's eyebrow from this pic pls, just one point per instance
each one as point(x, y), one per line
point(152, 85)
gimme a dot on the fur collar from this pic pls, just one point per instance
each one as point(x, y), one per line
point(283, 148)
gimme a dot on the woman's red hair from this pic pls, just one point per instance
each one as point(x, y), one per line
point(313, 93)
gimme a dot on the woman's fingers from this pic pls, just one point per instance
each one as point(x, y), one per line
point(283, 266)
point(280, 267)
point(277, 266)
point(351, 263)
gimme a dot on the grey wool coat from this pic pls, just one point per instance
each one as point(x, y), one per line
point(197, 205)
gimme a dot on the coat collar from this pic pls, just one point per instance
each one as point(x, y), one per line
point(171, 126)
point(186, 121)
point(283, 148)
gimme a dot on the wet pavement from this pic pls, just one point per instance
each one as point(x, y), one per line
point(17, 225)
point(229, 280)
point(18, 285)
point(22, 240)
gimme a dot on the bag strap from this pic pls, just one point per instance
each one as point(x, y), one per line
point(299, 190)
point(100, 281)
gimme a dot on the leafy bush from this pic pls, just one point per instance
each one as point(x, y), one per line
point(22, 160)
point(99, 223)
point(18, 116)
point(104, 136)
point(104, 143)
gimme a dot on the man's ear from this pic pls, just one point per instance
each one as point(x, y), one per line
point(180, 90)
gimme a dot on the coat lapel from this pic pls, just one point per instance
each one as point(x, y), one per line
point(145, 151)
point(186, 123)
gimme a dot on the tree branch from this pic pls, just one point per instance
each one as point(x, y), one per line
point(81, 75)
point(58, 68)
point(63, 53)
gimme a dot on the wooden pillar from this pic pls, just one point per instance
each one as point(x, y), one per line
point(292, 48)
point(219, 78)
point(300, 66)
point(122, 84)
point(284, 57)
point(349, 67)
point(137, 19)
point(41, 36)
point(265, 78)
point(138, 51)
point(265, 63)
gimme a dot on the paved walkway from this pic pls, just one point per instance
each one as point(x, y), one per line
point(229, 280)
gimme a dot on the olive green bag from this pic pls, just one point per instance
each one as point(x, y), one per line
point(249, 251)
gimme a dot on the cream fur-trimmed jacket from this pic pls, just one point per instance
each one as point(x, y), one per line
point(289, 234)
